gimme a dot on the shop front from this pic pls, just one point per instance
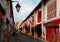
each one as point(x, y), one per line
point(38, 30)
point(25, 28)
point(52, 30)
point(57, 22)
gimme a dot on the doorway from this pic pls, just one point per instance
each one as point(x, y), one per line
point(52, 34)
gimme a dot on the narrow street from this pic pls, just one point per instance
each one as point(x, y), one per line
point(23, 38)
point(29, 20)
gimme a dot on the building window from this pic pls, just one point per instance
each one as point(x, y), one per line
point(39, 17)
point(32, 18)
point(51, 10)
point(54, 4)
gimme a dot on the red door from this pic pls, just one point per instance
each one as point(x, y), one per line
point(50, 34)
point(57, 35)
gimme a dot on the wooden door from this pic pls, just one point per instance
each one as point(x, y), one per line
point(50, 34)
point(57, 35)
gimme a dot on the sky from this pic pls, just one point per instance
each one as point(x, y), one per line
point(26, 7)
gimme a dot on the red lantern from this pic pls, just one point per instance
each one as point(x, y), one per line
point(18, 7)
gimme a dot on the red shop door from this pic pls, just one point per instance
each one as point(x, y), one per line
point(50, 34)
point(57, 35)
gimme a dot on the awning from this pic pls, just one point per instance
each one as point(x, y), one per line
point(51, 25)
point(56, 21)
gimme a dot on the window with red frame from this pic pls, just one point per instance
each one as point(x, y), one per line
point(51, 10)
point(32, 18)
point(32, 23)
point(25, 25)
point(39, 17)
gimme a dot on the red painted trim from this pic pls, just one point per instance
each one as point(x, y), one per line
point(50, 34)
point(56, 21)
point(39, 16)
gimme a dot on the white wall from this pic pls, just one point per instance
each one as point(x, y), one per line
point(58, 8)
point(45, 13)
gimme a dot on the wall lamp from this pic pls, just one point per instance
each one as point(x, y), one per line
point(17, 6)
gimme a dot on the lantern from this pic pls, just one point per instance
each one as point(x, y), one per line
point(18, 7)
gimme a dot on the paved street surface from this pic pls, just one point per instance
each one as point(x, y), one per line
point(23, 38)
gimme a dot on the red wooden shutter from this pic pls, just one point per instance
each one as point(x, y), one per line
point(39, 17)
point(32, 18)
point(32, 23)
point(50, 34)
point(25, 25)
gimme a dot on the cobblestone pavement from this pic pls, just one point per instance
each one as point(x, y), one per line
point(23, 38)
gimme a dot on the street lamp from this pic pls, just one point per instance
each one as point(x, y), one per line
point(17, 6)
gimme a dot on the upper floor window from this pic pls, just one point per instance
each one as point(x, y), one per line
point(32, 18)
point(39, 17)
point(51, 10)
